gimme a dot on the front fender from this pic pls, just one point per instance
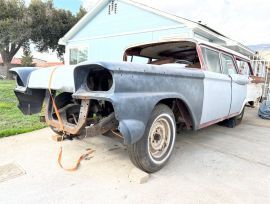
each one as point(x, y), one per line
point(132, 130)
point(133, 111)
point(137, 88)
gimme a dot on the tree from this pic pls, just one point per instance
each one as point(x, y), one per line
point(27, 58)
point(39, 23)
point(14, 29)
point(49, 25)
point(82, 11)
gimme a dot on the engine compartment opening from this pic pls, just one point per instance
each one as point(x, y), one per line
point(95, 116)
point(99, 80)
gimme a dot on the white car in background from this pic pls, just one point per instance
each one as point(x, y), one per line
point(255, 86)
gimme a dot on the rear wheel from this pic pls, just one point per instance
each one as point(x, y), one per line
point(154, 149)
point(251, 103)
point(238, 118)
point(232, 122)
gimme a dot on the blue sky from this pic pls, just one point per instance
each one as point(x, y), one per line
point(72, 5)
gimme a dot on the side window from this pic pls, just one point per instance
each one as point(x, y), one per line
point(77, 55)
point(228, 65)
point(211, 59)
point(243, 67)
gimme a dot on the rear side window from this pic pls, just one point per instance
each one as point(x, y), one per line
point(227, 65)
point(243, 67)
point(211, 59)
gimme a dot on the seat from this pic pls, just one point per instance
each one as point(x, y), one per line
point(195, 65)
point(163, 61)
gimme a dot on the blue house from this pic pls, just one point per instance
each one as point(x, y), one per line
point(113, 25)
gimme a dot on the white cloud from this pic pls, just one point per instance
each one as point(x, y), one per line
point(88, 4)
point(49, 56)
point(246, 21)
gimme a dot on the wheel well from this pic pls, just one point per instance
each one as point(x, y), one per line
point(181, 112)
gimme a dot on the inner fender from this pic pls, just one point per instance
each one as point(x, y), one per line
point(30, 100)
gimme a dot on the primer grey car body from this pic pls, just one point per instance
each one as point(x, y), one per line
point(137, 88)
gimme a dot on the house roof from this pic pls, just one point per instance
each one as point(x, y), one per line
point(15, 61)
point(52, 64)
point(37, 62)
point(191, 24)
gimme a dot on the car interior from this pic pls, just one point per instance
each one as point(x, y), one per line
point(183, 52)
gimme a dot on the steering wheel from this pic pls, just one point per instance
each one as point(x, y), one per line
point(183, 62)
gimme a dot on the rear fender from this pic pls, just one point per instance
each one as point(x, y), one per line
point(22, 75)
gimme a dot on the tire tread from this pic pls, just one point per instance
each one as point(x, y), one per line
point(136, 151)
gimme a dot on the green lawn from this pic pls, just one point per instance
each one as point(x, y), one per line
point(12, 121)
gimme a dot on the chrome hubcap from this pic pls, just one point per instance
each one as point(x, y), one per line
point(159, 138)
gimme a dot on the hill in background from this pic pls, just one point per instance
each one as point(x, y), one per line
point(263, 49)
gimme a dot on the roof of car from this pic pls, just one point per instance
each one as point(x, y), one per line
point(196, 41)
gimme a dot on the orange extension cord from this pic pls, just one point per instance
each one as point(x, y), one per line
point(83, 156)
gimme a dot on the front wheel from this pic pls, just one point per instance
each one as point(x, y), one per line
point(154, 149)
point(56, 131)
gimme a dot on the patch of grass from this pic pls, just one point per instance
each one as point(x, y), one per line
point(12, 121)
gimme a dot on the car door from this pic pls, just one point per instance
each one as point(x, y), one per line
point(238, 84)
point(217, 89)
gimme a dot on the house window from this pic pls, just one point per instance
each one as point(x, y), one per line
point(211, 59)
point(78, 55)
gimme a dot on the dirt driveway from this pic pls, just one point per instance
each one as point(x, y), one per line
point(214, 165)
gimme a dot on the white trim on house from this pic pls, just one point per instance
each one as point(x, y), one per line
point(82, 22)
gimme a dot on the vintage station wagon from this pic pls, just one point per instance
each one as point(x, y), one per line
point(159, 88)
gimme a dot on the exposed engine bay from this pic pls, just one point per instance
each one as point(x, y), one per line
point(77, 115)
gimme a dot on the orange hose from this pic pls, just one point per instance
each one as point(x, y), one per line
point(63, 131)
